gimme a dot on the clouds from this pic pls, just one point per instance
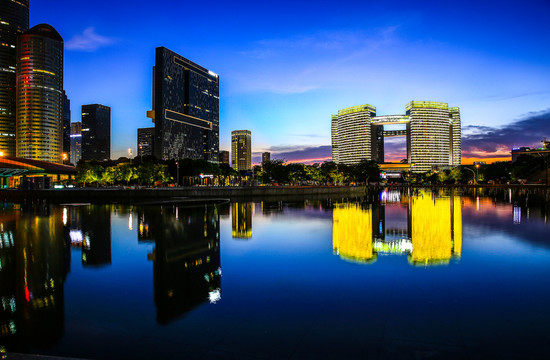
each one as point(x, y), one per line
point(478, 141)
point(306, 62)
point(486, 141)
point(298, 153)
point(88, 41)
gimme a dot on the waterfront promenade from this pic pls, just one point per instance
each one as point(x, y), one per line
point(143, 194)
point(131, 194)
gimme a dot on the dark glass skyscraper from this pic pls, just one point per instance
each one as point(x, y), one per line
point(185, 108)
point(66, 127)
point(145, 141)
point(76, 142)
point(14, 20)
point(96, 132)
point(40, 94)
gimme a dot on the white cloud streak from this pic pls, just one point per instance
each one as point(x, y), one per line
point(89, 40)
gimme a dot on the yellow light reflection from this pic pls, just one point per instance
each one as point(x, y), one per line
point(457, 226)
point(352, 233)
point(241, 220)
point(431, 229)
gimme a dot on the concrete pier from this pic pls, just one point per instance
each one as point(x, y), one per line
point(120, 194)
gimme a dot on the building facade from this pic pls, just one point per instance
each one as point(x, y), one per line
point(224, 157)
point(66, 128)
point(14, 21)
point(185, 108)
point(353, 134)
point(145, 138)
point(241, 150)
point(334, 138)
point(76, 142)
point(266, 157)
point(39, 127)
point(96, 132)
point(432, 130)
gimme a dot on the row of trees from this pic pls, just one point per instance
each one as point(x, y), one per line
point(276, 171)
point(95, 173)
point(148, 171)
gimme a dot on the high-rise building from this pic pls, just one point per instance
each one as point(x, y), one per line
point(434, 135)
point(145, 138)
point(266, 157)
point(14, 20)
point(432, 130)
point(224, 157)
point(76, 142)
point(241, 150)
point(185, 108)
point(40, 94)
point(353, 134)
point(96, 132)
point(66, 128)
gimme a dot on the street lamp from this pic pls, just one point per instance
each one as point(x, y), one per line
point(477, 177)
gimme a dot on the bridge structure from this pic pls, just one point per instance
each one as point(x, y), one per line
point(432, 131)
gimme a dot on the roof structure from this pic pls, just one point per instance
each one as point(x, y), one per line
point(12, 166)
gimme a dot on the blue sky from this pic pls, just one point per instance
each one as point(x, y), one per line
point(286, 66)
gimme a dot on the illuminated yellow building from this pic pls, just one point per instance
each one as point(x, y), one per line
point(241, 220)
point(241, 150)
point(432, 130)
point(352, 233)
point(39, 95)
point(351, 134)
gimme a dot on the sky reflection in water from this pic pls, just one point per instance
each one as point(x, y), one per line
point(395, 274)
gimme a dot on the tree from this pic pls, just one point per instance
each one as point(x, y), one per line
point(367, 170)
point(145, 173)
point(89, 172)
point(127, 172)
point(161, 173)
point(329, 172)
point(296, 173)
point(109, 176)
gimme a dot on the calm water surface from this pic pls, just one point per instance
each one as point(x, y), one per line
point(394, 275)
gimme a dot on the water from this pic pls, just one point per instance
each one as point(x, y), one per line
point(395, 275)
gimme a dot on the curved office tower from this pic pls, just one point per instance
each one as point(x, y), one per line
point(14, 20)
point(40, 94)
point(353, 134)
point(430, 134)
point(241, 150)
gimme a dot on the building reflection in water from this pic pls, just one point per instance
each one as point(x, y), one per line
point(90, 229)
point(430, 235)
point(186, 258)
point(33, 268)
point(241, 220)
point(352, 232)
point(96, 233)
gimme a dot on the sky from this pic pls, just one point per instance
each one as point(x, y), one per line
point(286, 66)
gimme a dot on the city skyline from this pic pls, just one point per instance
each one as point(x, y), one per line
point(285, 73)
